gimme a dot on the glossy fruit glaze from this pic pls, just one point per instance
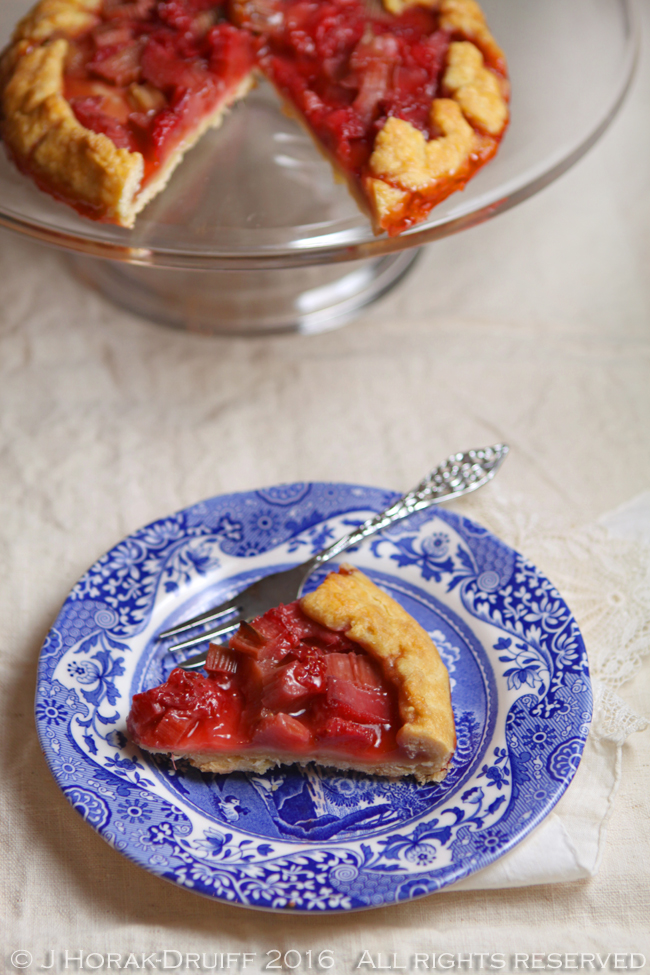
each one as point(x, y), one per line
point(284, 684)
point(347, 72)
point(150, 70)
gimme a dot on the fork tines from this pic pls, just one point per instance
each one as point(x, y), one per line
point(215, 613)
point(207, 635)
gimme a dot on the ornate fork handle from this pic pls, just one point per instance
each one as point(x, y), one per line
point(460, 474)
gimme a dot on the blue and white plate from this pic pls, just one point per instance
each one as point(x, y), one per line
point(317, 839)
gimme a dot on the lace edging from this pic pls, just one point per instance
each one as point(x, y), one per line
point(606, 583)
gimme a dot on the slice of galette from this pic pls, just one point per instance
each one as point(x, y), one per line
point(343, 677)
point(100, 99)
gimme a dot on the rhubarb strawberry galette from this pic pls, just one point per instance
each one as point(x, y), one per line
point(100, 99)
point(343, 677)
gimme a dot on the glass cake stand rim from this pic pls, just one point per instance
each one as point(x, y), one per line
point(303, 253)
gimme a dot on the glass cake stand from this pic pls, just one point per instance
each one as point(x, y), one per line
point(253, 234)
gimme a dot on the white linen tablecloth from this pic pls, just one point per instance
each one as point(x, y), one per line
point(534, 329)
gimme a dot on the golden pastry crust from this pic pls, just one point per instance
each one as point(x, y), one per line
point(259, 764)
point(74, 164)
point(48, 17)
point(44, 137)
point(40, 128)
point(403, 155)
point(475, 88)
point(466, 18)
point(348, 601)
point(463, 17)
point(470, 121)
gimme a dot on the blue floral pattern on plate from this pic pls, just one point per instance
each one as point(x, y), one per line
point(317, 839)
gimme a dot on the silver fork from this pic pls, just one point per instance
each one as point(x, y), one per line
point(459, 474)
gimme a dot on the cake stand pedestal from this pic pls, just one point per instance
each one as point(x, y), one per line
point(248, 302)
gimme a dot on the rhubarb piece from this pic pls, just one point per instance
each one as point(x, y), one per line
point(352, 735)
point(283, 733)
point(221, 660)
point(368, 705)
point(188, 706)
point(343, 677)
point(290, 685)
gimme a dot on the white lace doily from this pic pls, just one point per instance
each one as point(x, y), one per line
point(603, 572)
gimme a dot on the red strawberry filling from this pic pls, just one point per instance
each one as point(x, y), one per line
point(149, 72)
point(187, 709)
point(284, 684)
point(347, 72)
